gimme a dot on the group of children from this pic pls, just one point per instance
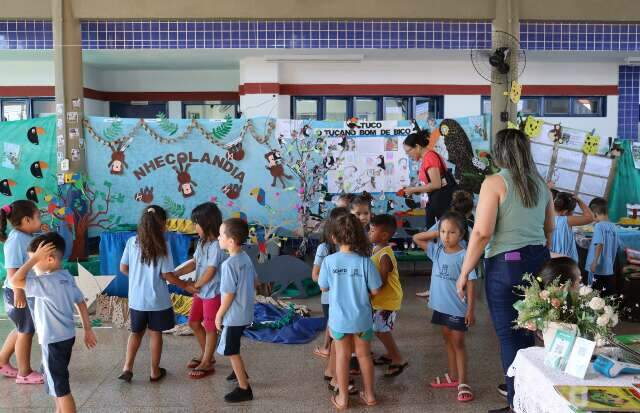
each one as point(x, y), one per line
point(40, 297)
point(354, 266)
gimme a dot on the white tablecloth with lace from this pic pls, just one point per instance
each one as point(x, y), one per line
point(534, 383)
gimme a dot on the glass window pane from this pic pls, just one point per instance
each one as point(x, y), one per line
point(209, 110)
point(529, 106)
point(335, 109)
point(366, 109)
point(586, 106)
point(486, 106)
point(395, 108)
point(44, 108)
point(306, 109)
point(425, 109)
point(14, 110)
point(556, 106)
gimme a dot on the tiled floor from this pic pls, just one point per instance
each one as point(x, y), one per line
point(285, 378)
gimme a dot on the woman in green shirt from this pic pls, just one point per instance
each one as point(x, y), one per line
point(513, 227)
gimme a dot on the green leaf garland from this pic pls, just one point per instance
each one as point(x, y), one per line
point(223, 129)
point(166, 125)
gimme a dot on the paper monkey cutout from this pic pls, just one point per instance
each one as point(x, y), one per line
point(235, 152)
point(117, 163)
point(274, 166)
point(185, 185)
point(144, 195)
point(232, 191)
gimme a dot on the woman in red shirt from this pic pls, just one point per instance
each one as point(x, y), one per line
point(436, 180)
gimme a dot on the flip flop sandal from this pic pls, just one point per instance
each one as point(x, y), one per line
point(448, 383)
point(381, 361)
point(31, 378)
point(397, 369)
point(197, 374)
point(423, 294)
point(319, 353)
point(367, 403)
point(195, 362)
point(351, 390)
point(163, 373)
point(7, 370)
point(464, 393)
point(338, 406)
point(126, 376)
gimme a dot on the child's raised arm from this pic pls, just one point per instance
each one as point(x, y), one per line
point(584, 219)
point(422, 239)
point(19, 279)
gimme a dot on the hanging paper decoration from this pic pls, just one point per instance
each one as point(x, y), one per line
point(235, 152)
point(232, 191)
point(174, 209)
point(185, 185)
point(165, 124)
point(615, 149)
point(591, 143)
point(515, 92)
point(274, 165)
point(259, 194)
point(34, 133)
point(223, 130)
point(511, 125)
point(144, 195)
point(533, 126)
point(115, 130)
point(118, 164)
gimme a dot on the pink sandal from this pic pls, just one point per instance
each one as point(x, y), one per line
point(31, 378)
point(7, 370)
point(447, 383)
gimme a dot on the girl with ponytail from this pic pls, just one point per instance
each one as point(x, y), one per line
point(24, 218)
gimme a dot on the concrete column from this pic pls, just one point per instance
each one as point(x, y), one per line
point(507, 19)
point(261, 82)
point(67, 55)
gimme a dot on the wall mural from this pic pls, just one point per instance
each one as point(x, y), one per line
point(269, 170)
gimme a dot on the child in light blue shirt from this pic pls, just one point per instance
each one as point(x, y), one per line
point(206, 263)
point(563, 241)
point(148, 263)
point(603, 250)
point(237, 276)
point(24, 217)
point(55, 293)
point(449, 311)
point(351, 277)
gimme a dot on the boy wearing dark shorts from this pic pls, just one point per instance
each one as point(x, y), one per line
point(55, 292)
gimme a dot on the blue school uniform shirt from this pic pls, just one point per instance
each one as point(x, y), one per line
point(54, 296)
point(605, 234)
point(349, 277)
point(207, 255)
point(444, 274)
point(15, 252)
point(148, 291)
point(321, 253)
point(463, 243)
point(237, 276)
point(563, 242)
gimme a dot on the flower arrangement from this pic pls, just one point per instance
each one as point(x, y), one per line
point(593, 315)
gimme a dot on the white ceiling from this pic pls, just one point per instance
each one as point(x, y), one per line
point(229, 58)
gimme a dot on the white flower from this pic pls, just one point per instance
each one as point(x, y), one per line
point(614, 320)
point(585, 290)
point(544, 294)
point(603, 320)
point(596, 303)
point(608, 310)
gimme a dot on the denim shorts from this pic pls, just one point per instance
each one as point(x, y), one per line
point(451, 321)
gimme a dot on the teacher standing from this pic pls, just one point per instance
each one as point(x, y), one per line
point(513, 227)
point(433, 174)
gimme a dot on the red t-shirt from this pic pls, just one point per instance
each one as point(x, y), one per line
point(430, 160)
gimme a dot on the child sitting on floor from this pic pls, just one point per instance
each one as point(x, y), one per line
point(55, 293)
point(603, 250)
point(236, 310)
point(387, 302)
point(453, 314)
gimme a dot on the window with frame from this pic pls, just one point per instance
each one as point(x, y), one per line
point(564, 106)
point(209, 109)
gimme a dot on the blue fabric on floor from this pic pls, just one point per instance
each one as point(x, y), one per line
point(302, 330)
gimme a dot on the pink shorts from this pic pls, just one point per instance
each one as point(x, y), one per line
point(204, 310)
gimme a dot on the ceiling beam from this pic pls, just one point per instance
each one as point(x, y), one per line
point(569, 10)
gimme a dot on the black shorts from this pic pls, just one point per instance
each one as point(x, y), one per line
point(21, 317)
point(325, 311)
point(160, 320)
point(451, 321)
point(55, 362)
point(229, 344)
